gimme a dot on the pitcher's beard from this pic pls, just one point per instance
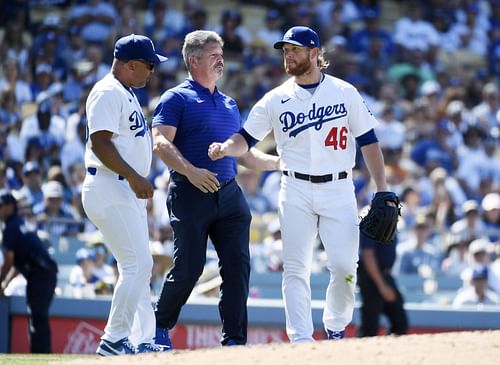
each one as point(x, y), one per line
point(298, 69)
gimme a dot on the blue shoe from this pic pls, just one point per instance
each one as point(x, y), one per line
point(151, 347)
point(335, 335)
point(232, 343)
point(121, 347)
point(162, 338)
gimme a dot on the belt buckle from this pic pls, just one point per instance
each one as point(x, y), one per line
point(322, 178)
point(342, 175)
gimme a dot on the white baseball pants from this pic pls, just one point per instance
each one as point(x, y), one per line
point(305, 210)
point(122, 219)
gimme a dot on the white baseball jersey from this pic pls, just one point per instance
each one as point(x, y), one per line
point(315, 134)
point(112, 107)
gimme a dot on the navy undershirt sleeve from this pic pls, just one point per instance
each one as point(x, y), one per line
point(250, 140)
point(367, 138)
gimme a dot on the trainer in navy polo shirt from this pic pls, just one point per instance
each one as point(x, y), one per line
point(204, 201)
point(200, 118)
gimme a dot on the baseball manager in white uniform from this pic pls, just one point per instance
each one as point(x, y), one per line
point(115, 191)
point(317, 120)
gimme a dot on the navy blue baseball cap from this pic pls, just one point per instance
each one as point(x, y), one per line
point(6, 197)
point(137, 47)
point(299, 36)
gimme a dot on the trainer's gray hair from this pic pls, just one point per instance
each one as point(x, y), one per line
point(195, 42)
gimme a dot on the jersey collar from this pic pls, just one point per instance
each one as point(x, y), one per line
point(199, 87)
point(129, 89)
point(302, 94)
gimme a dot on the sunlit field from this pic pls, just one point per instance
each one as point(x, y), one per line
point(28, 359)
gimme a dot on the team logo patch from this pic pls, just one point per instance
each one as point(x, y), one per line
point(315, 117)
point(139, 123)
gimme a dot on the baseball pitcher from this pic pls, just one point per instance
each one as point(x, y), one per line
point(317, 120)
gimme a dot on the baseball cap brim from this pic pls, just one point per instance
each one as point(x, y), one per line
point(159, 58)
point(155, 58)
point(279, 44)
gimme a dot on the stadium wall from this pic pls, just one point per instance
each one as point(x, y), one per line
point(77, 324)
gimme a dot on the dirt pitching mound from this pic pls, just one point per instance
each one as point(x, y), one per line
point(453, 348)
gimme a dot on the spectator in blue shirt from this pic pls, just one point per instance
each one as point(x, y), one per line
point(204, 201)
point(197, 19)
point(53, 215)
point(435, 151)
point(9, 111)
point(32, 183)
point(361, 40)
point(418, 252)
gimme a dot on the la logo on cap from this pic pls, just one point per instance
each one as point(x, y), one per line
point(299, 36)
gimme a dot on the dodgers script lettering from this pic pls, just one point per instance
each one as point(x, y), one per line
point(139, 123)
point(315, 117)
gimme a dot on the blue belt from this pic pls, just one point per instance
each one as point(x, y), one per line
point(93, 171)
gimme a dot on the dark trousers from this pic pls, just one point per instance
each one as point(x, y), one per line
point(373, 305)
point(225, 218)
point(39, 293)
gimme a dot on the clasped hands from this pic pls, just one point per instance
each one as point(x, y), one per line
point(216, 151)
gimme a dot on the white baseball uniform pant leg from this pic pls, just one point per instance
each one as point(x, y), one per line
point(339, 233)
point(144, 325)
point(122, 219)
point(298, 231)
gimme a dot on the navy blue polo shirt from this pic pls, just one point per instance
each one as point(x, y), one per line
point(200, 118)
point(29, 250)
point(385, 254)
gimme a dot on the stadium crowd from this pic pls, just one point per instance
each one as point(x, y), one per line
point(428, 70)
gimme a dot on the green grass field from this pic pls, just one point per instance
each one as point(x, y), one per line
point(28, 359)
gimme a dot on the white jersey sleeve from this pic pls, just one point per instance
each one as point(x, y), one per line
point(361, 119)
point(103, 111)
point(261, 119)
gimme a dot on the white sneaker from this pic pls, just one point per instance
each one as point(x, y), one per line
point(120, 347)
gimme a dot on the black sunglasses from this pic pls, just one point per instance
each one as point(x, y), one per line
point(149, 65)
